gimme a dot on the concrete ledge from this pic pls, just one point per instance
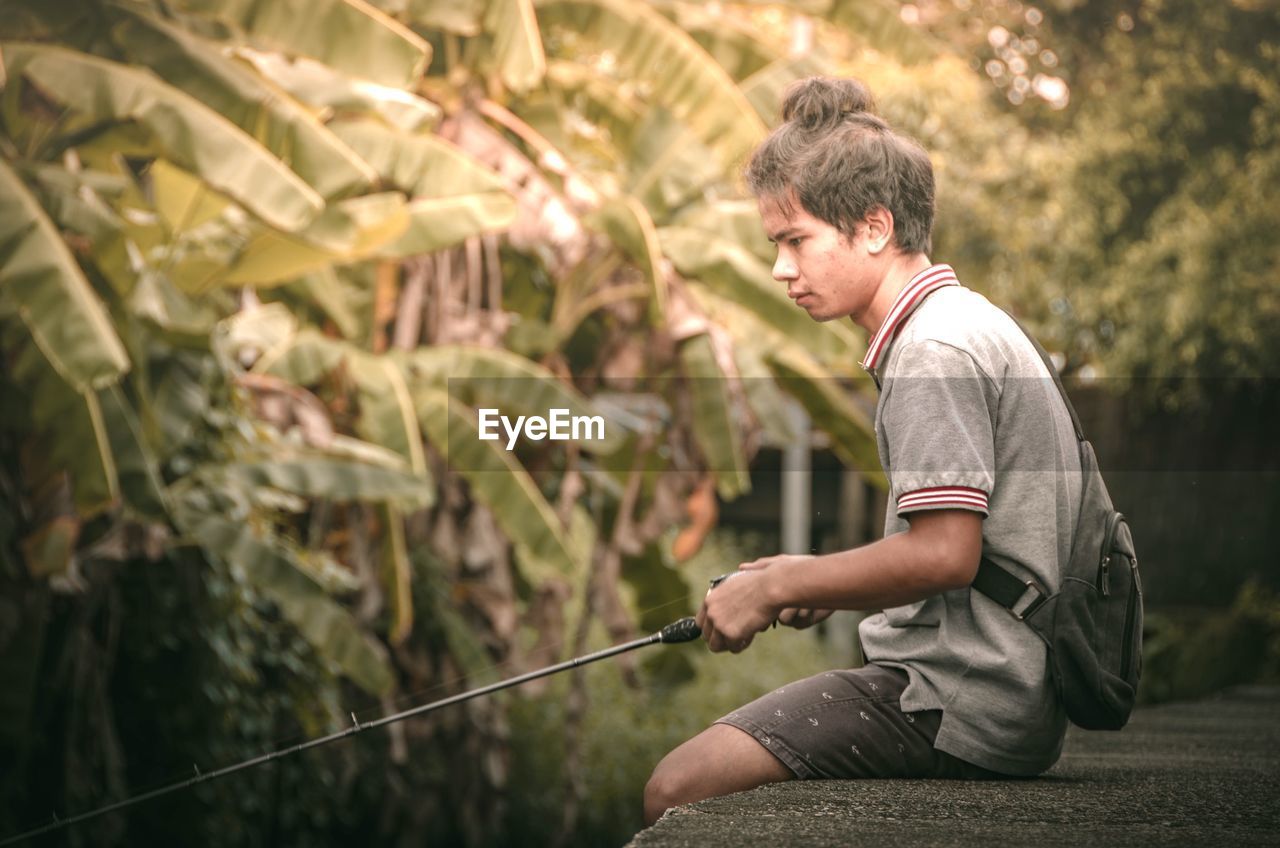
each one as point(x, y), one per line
point(1199, 773)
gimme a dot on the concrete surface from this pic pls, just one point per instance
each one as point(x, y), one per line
point(1198, 773)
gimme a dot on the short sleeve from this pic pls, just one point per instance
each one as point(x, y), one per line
point(937, 417)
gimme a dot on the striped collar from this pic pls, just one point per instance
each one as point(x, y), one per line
point(912, 295)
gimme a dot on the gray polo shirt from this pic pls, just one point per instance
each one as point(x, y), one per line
point(969, 418)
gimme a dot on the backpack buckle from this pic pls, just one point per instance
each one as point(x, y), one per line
point(1031, 600)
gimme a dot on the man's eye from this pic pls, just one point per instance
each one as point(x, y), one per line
point(795, 242)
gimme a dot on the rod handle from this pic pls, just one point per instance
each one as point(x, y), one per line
point(684, 630)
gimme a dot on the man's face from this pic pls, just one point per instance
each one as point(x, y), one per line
point(827, 274)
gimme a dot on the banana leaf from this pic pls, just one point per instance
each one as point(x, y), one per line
point(628, 225)
point(397, 573)
point(76, 200)
point(62, 313)
point(183, 201)
point(879, 25)
point(731, 220)
point(832, 410)
point(453, 197)
point(287, 129)
point(517, 43)
point(137, 469)
point(387, 417)
point(325, 289)
point(603, 103)
point(763, 395)
point(347, 231)
point(184, 130)
point(319, 476)
point(325, 89)
point(656, 53)
point(213, 245)
point(306, 359)
point(255, 334)
point(725, 35)
point(68, 427)
point(387, 414)
point(272, 569)
point(460, 17)
point(348, 35)
point(667, 167)
point(715, 424)
point(498, 480)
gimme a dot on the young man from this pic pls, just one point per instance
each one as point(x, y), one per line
point(981, 458)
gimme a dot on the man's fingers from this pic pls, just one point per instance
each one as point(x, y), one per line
point(794, 617)
point(802, 619)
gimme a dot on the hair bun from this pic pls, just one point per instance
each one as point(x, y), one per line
point(821, 102)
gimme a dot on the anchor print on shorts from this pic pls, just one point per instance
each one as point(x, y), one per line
point(814, 722)
point(826, 696)
point(864, 715)
point(855, 750)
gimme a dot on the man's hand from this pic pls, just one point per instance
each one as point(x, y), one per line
point(736, 609)
point(791, 616)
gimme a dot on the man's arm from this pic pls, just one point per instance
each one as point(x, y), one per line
point(939, 552)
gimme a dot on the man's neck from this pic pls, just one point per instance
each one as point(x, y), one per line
point(901, 269)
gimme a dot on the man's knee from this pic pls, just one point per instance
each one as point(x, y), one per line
point(668, 787)
point(720, 760)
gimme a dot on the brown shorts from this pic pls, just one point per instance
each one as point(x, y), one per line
point(847, 724)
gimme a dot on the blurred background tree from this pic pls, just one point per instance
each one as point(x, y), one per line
point(260, 258)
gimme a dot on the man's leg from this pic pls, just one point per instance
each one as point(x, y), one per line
point(719, 760)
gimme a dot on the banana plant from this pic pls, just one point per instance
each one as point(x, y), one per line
point(263, 263)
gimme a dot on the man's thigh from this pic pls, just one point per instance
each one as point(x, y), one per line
point(846, 724)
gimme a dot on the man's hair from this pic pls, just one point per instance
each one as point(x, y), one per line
point(842, 161)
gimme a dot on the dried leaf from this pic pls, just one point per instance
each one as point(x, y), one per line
point(703, 512)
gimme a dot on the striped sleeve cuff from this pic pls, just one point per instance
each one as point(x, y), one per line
point(944, 497)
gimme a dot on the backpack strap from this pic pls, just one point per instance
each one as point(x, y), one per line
point(1053, 372)
point(1022, 597)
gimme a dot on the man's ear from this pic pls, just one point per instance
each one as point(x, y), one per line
point(879, 223)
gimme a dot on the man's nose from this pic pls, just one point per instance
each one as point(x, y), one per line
point(784, 270)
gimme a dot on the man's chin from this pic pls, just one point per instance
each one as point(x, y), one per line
point(820, 316)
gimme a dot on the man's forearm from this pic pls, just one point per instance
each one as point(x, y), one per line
point(897, 570)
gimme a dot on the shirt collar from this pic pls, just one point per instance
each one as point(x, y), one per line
point(908, 300)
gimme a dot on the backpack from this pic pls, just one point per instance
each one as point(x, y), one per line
point(1093, 623)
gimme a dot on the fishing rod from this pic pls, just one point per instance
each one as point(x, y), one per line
point(683, 630)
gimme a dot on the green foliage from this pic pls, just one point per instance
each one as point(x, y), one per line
point(1150, 232)
point(1188, 656)
point(1182, 254)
